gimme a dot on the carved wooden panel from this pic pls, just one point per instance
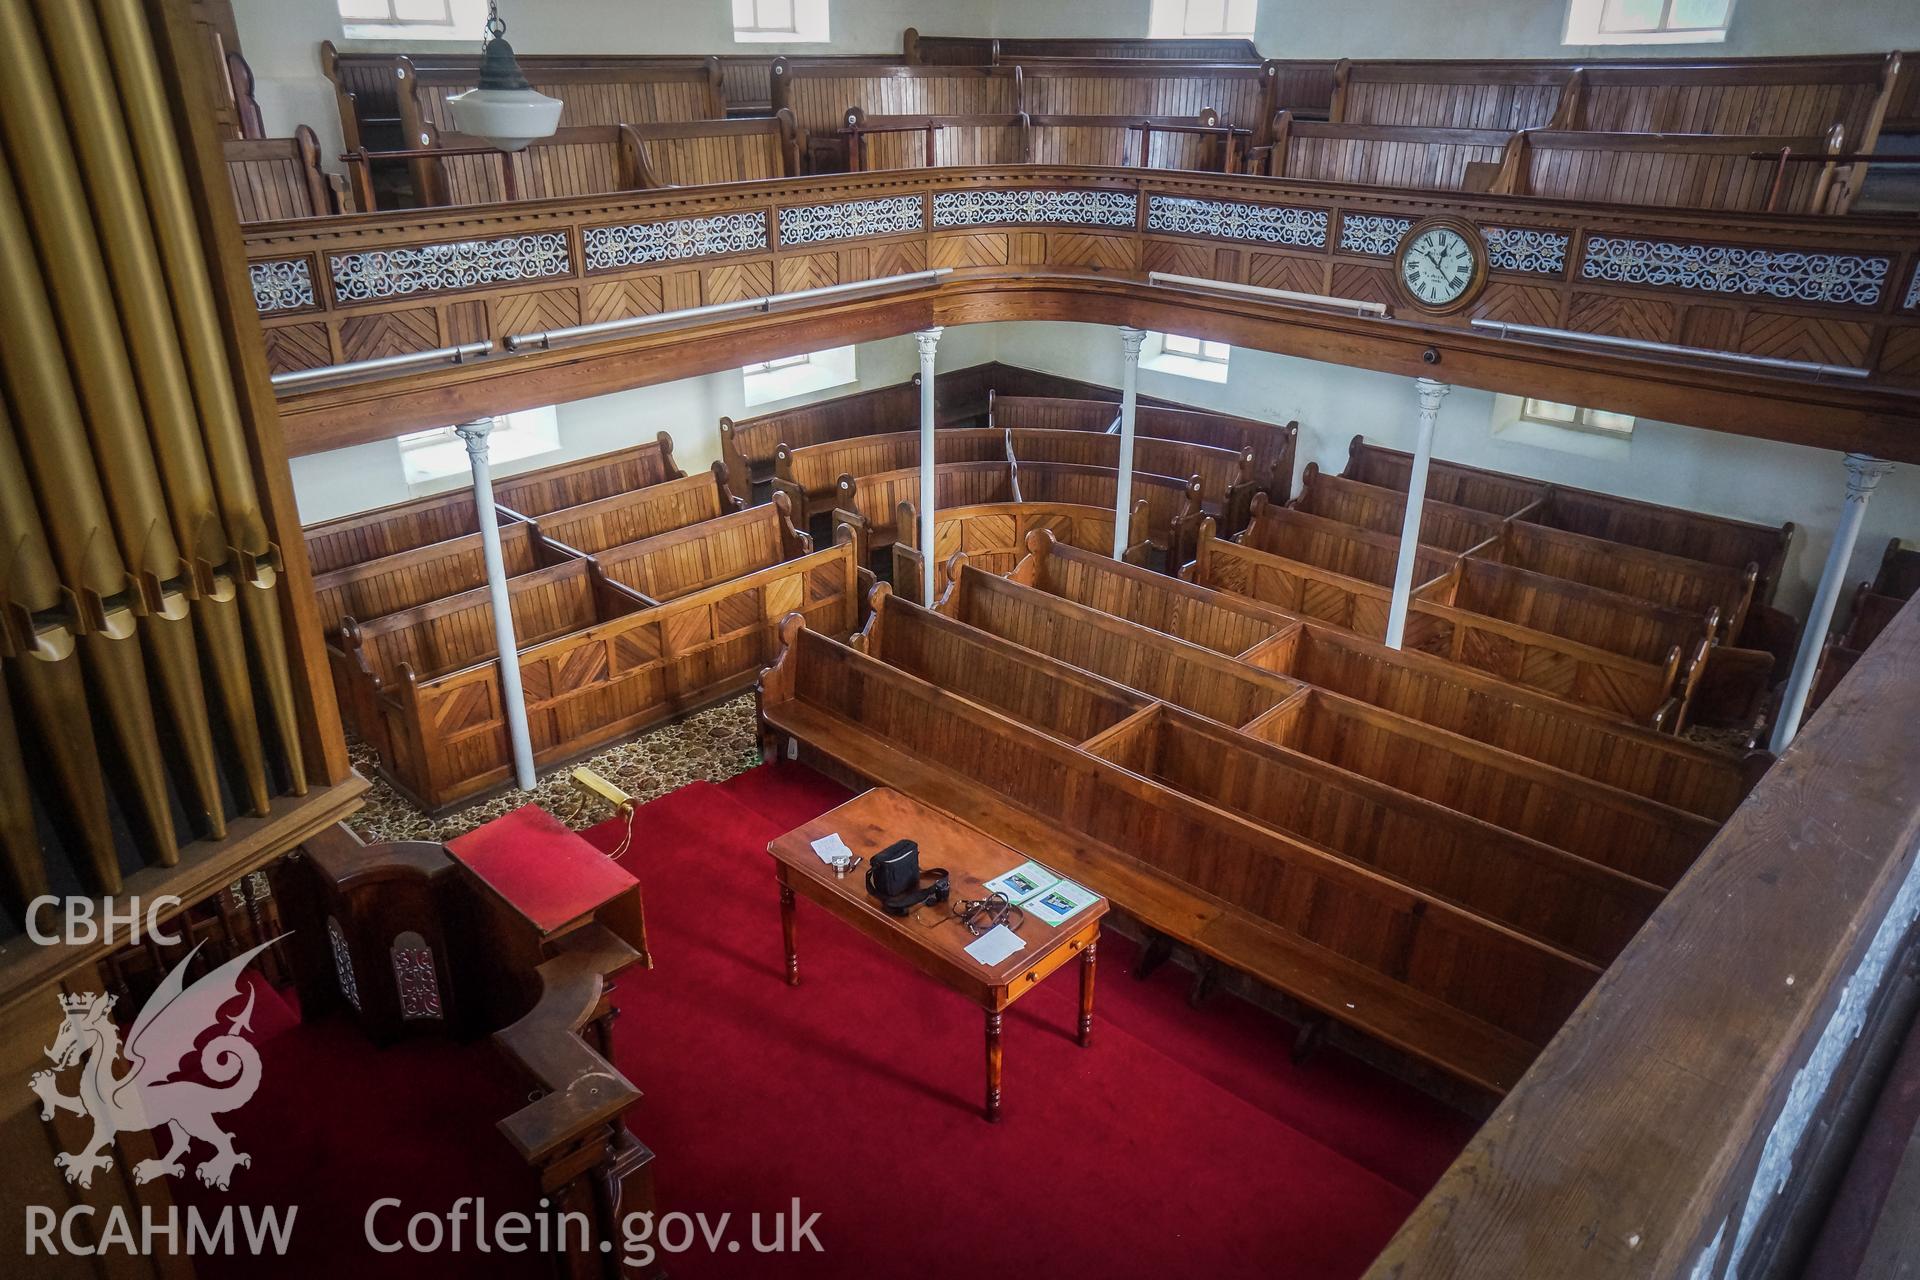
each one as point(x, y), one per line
point(538, 310)
point(1816, 338)
point(807, 271)
point(389, 333)
point(1083, 249)
point(1286, 271)
point(1624, 317)
point(969, 249)
point(618, 299)
point(738, 281)
point(1368, 284)
point(298, 346)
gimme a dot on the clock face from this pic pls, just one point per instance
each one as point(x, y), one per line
point(1438, 266)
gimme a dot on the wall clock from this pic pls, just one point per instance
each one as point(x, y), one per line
point(1442, 264)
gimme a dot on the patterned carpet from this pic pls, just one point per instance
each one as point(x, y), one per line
point(711, 745)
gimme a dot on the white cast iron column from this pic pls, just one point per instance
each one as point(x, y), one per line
point(1431, 394)
point(929, 340)
point(1863, 473)
point(475, 434)
point(1130, 340)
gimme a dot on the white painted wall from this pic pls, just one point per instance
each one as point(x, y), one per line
point(343, 481)
point(1721, 474)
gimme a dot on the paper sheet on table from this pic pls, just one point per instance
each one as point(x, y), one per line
point(995, 945)
point(830, 847)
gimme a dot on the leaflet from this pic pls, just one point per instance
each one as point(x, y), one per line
point(1060, 902)
point(1023, 882)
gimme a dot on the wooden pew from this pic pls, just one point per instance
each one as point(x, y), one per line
point(601, 671)
point(1272, 443)
point(1733, 544)
point(582, 160)
point(1344, 549)
point(1899, 572)
point(1421, 974)
point(418, 522)
point(819, 92)
point(694, 153)
point(809, 475)
point(1239, 93)
point(1166, 510)
point(1226, 476)
point(994, 537)
point(1674, 170)
point(1562, 900)
point(1449, 95)
point(276, 178)
point(979, 50)
point(1650, 693)
point(375, 588)
point(590, 527)
point(1195, 142)
point(870, 505)
point(670, 565)
point(1394, 716)
point(1589, 615)
point(930, 141)
point(1385, 155)
point(1443, 526)
point(1654, 576)
point(596, 89)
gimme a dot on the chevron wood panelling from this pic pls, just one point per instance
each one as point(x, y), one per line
point(1083, 249)
point(298, 346)
point(1285, 271)
point(738, 280)
point(1623, 317)
point(1176, 257)
point(970, 249)
point(1520, 304)
point(898, 258)
point(389, 333)
point(619, 299)
point(1710, 328)
point(807, 271)
point(537, 310)
point(1900, 357)
point(1369, 284)
point(1816, 338)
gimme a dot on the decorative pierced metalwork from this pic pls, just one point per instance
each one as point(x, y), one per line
point(1845, 278)
point(1237, 220)
point(284, 284)
point(636, 244)
point(1379, 234)
point(847, 219)
point(415, 977)
point(374, 274)
point(1035, 205)
point(1526, 249)
point(343, 963)
point(1913, 290)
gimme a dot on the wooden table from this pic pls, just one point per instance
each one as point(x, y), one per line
point(875, 819)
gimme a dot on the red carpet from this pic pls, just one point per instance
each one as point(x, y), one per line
point(1182, 1141)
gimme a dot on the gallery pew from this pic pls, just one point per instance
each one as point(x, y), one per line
point(581, 160)
point(1461, 94)
point(819, 93)
point(1442, 525)
point(1557, 898)
point(1239, 93)
point(1471, 997)
point(1675, 170)
point(278, 178)
point(692, 153)
point(1733, 544)
point(994, 537)
point(1200, 142)
point(1407, 156)
point(670, 565)
point(1273, 443)
point(1057, 599)
point(607, 667)
point(979, 50)
point(875, 141)
point(1649, 693)
point(417, 522)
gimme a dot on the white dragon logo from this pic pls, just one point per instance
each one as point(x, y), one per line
point(146, 1097)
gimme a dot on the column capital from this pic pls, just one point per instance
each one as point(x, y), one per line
point(1130, 340)
point(474, 436)
point(929, 339)
point(1863, 473)
point(1432, 392)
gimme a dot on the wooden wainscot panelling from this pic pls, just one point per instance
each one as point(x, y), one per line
point(1050, 242)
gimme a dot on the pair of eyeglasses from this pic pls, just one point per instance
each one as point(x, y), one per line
point(981, 914)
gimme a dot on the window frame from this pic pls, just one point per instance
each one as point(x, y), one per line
point(1173, 20)
point(516, 436)
point(1200, 363)
point(1586, 25)
point(792, 377)
point(812, 23)
point(466, 21)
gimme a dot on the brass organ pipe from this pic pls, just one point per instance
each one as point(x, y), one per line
point(113, 183)
point(170, 206)
point(39, 658)
point(104, 595)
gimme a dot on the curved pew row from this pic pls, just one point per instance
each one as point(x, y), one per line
point(1273, 444)
point(598, 662)
point(639, 513)
point(669, 565)
point(1554, 897)
point(1472, 997)
point(1443, 526)
point(994, 536)
point(872, 505)
point(811, 474)
point(1654, 694)
point(1089, 610)
point(405, 526)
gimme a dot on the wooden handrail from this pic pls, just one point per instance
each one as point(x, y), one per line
point(1670, 1125)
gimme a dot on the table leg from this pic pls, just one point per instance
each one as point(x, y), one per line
point(1086, 993)
point(786, 933)
point(993, 1064)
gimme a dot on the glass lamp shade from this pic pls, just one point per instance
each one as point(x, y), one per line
point(508, 118)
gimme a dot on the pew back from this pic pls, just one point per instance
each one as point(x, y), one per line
point(1672, 170)
point(375, 588)
point(455, 632)
point(1442, 525)
point(993, 535)
point(583, 160)
point(591, 527)
point(929, 141)
point(1670, 580)
point(1340, 548)
point(1579, 612)
point(669, 565)
point(1450, 95)
point(692, 153)
point(1241, 94)
point(276, 178)
point(1410, 156)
